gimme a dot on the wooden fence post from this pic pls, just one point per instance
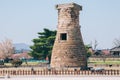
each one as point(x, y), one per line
point(88, 72)
point(23, 72)
point(108, 72)
point(118, 72)
point(14, 72)
point(111, 72)
point(28, 72)
point(114, 72)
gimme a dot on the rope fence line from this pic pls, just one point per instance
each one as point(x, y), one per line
point(58, 72)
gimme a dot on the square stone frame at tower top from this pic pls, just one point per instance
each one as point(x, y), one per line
point(68, 49)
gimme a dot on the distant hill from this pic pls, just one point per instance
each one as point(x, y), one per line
point(21, 46)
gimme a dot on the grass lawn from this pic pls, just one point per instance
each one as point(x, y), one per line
point(90, 62)
point(102, 62)
point(29, 63)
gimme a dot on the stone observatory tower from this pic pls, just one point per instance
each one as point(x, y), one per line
point(68, 49)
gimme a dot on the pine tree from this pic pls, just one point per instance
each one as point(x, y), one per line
point(43, 45)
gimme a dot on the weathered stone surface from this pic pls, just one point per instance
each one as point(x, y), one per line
point(68, 50)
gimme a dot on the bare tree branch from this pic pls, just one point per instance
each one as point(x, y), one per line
point(116, 42)
point(95, 44)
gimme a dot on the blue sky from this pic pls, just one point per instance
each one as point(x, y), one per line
point(21, 20)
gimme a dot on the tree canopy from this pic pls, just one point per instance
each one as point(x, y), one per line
point(6, 49)
point(42, 47)
point(87, 47)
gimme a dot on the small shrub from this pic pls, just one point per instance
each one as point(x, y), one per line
point(16, 62)
point(1, 62)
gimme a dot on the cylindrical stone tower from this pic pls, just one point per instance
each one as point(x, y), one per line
point(68, 49)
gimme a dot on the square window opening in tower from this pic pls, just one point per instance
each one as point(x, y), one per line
point(63, 36)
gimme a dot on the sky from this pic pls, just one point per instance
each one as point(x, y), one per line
point(21, 20)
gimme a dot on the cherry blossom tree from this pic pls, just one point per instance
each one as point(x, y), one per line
point(6, 48)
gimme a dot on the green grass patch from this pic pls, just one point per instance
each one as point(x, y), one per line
point(28, 63)
point(102, 62)
point(31, 63)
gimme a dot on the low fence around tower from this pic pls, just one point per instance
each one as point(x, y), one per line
point(58, 72)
